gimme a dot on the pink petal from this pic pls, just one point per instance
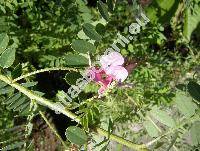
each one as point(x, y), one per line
point(112, 59)
point(119, 72)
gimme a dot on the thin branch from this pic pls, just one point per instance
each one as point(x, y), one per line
point(44, 70)
point(53, 129)
point(45, 102)
point(193, 119)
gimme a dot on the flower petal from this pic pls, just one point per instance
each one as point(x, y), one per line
point(118, 72)
point(112, 59)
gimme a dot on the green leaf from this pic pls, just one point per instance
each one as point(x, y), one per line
point(185, 104)
point(76, 135)
point(29, 84)
point(195, 133)
point(17, 71)
point(7, 58)
point(6, 89)
point(194, 90)
point(83, 46)
point(110, 5)
point(4, 39)
point(162, 117)
point(12, 98)
point(151, 129)
point(89, 30)
point(103, 10)
point(14, 146)
point(71, 77)
point(76, 60)
point(17, 103)
point(100, 28)
point(191, 20)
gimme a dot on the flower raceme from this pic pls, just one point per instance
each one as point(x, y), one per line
point(111, 70)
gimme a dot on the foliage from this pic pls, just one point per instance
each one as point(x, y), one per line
point(156, 108)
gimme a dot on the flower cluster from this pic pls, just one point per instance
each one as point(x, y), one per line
point(111, 70)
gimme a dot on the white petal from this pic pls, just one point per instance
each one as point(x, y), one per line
point(119, 72)
point(112, 59)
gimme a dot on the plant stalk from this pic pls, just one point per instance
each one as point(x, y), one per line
point(45, 102)
point(44, 70)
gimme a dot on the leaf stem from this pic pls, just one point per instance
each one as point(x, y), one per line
point(193, 119)
point(44, 70)
point(53, 129)
point(45, 102)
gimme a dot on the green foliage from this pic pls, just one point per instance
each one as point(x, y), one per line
point(76, 135)
point(7, 58)
point(4, 39)
point(76, 60)
point(103, 10)
point(83, 46)
point(194, 90)
point(195, 135)
point(192, 19)
point(147, 106)
point(89, 30)
point(162, 117)
point(185, 105)
point(151, 129)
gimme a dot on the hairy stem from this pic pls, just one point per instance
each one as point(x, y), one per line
point(44, 70)
point(53, 129)
point(45, 102)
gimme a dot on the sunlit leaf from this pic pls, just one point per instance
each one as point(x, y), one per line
point(151, 129)
point(195, 133)
point(191, 20)
point(185, 105)
point(163, 117)
point(83, 46)
point(4, 39)
point(76, 60)
point(7, 58)
point(76, 135)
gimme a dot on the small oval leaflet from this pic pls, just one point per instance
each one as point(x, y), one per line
point(76, 135)
point(76, 60)
point(4, 39)
point(194, 90)
point(83, 46)
point(7, 58)
point(89, 30)
point(103, 10)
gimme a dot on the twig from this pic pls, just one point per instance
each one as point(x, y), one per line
point(53, 129)
point(43, 70)
point(45, 102)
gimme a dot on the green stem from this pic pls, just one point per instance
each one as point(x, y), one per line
point(45, 102)
point(122, 141)
point(53, 129)
point(191, 120)
point(44, 70)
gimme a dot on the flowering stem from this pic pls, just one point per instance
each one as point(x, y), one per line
point(45, 102)
point(44, 70)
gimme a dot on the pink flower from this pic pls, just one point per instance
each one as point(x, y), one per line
point(111, 70)
point(112, 65)
point(102, 78)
